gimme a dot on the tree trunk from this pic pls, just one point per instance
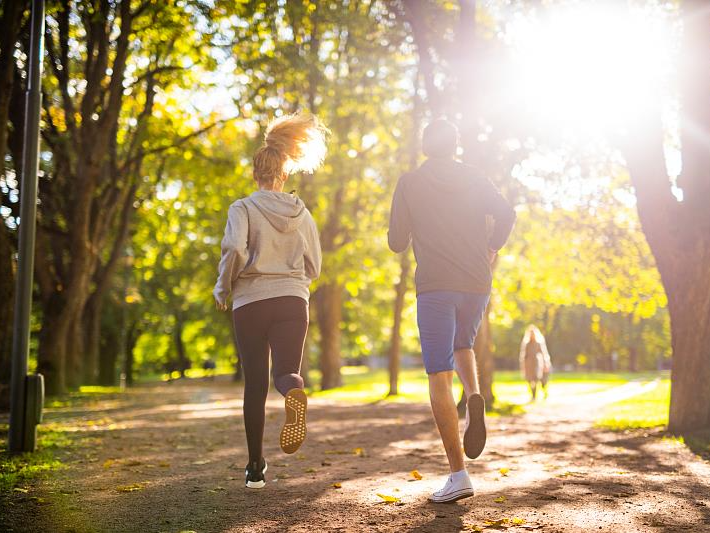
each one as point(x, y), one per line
point(484, 359)
point(678, 233)
point(51, 359)
point(396, 339)
point(110, 342)
point(7, 290)
point(92, 337)
point(132, 336)
point(329, 301)
point(180, 346)
point(689, 306)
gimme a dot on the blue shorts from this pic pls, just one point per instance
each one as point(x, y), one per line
point(448, 321)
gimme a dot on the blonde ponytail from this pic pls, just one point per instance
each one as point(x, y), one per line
point(292, 143)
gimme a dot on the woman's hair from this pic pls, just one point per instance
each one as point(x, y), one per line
point(539, 338)
point(292, 143)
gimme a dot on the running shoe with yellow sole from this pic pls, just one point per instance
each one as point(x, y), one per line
point(294, 431)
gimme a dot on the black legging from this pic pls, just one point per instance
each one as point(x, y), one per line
point(280, 324)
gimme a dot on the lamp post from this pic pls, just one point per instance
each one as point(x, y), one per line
point(26, 392)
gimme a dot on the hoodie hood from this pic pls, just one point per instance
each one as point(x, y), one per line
point(286, 212)
point(448, 175)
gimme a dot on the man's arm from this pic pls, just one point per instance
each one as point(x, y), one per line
point(503, 216)
point(400, 231)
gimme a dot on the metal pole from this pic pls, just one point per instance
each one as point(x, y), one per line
point(28, 212)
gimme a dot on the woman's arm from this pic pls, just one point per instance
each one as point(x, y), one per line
point(312, 256)
point(234, 253)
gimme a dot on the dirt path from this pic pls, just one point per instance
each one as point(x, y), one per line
point(170, 458)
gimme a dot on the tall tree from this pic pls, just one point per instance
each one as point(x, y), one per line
point(678, 231)
point(109, 64)
point(11, 18)
point(341, 60)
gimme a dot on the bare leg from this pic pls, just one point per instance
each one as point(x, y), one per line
point(447, 420)
point(533, 390)
point(465, 365)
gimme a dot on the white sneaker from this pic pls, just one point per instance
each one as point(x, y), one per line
point(453, 490)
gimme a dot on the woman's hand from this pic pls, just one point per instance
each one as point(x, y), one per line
point(220, 306)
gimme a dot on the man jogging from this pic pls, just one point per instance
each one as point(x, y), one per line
point(442, 208)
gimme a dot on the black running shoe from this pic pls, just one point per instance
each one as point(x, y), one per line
point(255, 474)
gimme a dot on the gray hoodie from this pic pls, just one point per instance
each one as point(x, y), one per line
point(270, 249)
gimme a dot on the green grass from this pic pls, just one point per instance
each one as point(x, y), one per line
point(361, 385)
point(646, 410)
point(89, 394)
point(17, 470)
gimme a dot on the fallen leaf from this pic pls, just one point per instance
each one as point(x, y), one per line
point(388, 499)
point(572, 474)
point(360, 452)
point(18, 489)
point(500, 499)
point(310, 470)
point(130, 488)
point(337, 485)
point(504, 471)
point(200, 462)
point(518, 521)
point(108, 463)
point(164, 465)
point(416, 475)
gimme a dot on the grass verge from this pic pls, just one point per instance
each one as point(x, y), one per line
point(17, 470)
point(646, 410)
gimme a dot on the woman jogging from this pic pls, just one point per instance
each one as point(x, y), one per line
point(535, 362)
point(270, 255)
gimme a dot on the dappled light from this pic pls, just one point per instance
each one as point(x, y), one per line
point(356, 265)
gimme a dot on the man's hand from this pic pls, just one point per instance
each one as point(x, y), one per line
point(492, 254)
point(220, 306)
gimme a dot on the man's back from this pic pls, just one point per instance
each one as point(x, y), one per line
point(442, 208)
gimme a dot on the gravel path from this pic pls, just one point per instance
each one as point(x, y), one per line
point(169, 458)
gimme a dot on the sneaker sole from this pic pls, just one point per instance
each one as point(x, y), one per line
point(453, 497)
point(294, 431)
point(474, 437)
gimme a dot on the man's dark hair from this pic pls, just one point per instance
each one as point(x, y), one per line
point(440, 138)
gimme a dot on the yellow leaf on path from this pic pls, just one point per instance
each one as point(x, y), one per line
point(500, 499)
point(130, 488)
point(416, 475)
point(360, 452)
point(388, 499)
point(18, 489)
point(518, 521)
point(338, 485)
point(108, 463)
point(504, 471)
